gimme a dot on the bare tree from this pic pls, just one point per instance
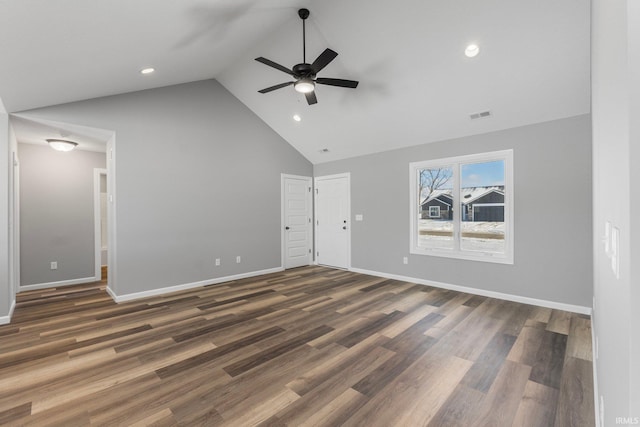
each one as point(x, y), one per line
point(432, 180)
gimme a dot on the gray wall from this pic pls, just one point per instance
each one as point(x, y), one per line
point(616, 138)
point(56, 213)
point(552, 173)
point(192, 164)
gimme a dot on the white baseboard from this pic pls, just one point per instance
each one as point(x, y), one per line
point(111, 294)
point(481, 292)
point(4, 320)
point(58, 284)
point(185, 286)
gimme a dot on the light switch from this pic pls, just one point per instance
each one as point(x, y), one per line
point(615, 251)
point(359, 217)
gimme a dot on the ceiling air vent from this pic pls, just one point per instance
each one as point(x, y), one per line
point(480, 115)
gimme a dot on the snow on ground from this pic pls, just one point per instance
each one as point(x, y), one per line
point(443, 241)
point(467, 226)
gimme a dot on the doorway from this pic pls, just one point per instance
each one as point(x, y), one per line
point(333, 226)
point(297, 227)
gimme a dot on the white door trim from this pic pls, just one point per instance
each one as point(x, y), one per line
point(97, 217)
point(346, 175)
point(310, 227)
point(112, 244)
point(14, 238)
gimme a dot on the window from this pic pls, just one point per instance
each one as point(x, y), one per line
point(481, 185)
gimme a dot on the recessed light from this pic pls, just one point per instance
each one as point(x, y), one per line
point(297, 118)
point(472, 50)
point(147, 70)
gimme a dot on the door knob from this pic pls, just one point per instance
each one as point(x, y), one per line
point(286, 228)
point(344, 228)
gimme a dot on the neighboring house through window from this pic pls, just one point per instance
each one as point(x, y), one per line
point(482, 186)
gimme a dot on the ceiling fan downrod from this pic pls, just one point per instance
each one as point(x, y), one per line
point(304, 14)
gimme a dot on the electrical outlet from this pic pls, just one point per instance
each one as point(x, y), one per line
point(238, 259)
point(405, 260)
point(217, 261)
point(54, 265)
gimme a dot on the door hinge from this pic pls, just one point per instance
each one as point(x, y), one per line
point(309, 250)
point(317, 253)
point(309, 220)
point(309, 189)
point(316, 191)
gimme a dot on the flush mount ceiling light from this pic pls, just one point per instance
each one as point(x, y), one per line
point(472, 50)
point(62, 144)
point(147, 70)
point(297, 118)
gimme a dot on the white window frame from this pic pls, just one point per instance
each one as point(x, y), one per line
point(437, 210)
point(455, 164)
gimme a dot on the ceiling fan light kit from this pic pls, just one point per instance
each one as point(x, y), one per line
point(304, 85)
point(304, 73)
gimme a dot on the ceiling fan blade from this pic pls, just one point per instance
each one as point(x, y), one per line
point(311, 98)
point(271, 88)
point(337, 82)
point(275, 65)
point(323, 60)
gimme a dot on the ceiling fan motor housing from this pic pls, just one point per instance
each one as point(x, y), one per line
point(303, 70)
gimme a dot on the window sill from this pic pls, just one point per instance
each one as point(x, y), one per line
point(467, 256)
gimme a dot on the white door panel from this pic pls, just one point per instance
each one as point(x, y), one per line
point(297, 221)
point(332, 221)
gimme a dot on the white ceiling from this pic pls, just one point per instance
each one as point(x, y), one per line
point(416, 85)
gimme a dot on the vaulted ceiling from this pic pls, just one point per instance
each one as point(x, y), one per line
point(416, 84)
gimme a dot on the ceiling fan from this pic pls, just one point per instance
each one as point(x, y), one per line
point(304, 73)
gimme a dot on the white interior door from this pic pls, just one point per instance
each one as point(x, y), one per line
point(332, 220)
point(297, 226)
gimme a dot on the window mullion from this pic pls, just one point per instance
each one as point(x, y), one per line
point(456, 207)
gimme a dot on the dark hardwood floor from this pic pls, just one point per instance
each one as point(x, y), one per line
point(310, 346)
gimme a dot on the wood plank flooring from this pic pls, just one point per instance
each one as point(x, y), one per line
point(306, 347)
